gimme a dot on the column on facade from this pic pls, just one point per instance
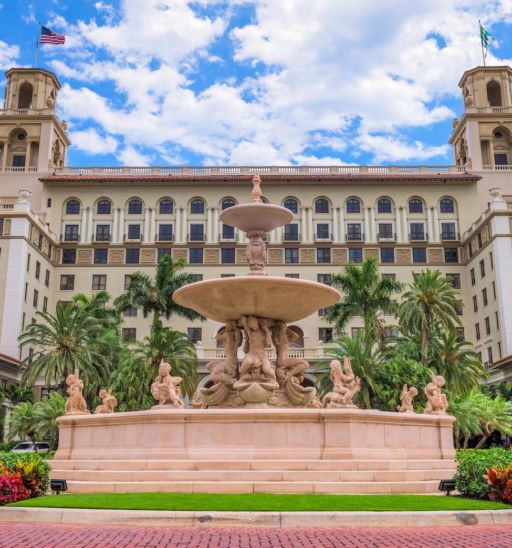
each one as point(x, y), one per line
point(311, 230)
point(436, 225)
point(115, 226)
point(5, 154)
point(152, 225)
point(121, 225)
point(209, 225)
point(430, 224)
point(216, 224)
point(405, 227)
point(491, 152)
point(184, 227)
point(335, 224)
point(90, 227)
point(341, 225)
point(373, 224)
point(366, 221)
point(27, 155)
point(178, 236)
point(83, 226)
point(398, 225)
point(303, 223)
point(146, 225)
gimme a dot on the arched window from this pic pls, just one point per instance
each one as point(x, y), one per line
point(165, 207)
point(227, 202)
point(446, 205)
point(72, 207)
point(353, 205)
point(321, 206)
point(25, 96)
point(134, 207)
point(292, 205)
point(384, 205)
point(415, 205)
point(197, 206)
point(104, 207)
point(494, 94)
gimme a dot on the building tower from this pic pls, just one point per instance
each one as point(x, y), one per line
point(482, 138)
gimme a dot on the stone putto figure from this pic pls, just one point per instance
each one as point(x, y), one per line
point(346, 385)
point(256, 252)
point(406, 398)
point(437, 403)
point(108, 402)
point(165, 389)
point(75, 404)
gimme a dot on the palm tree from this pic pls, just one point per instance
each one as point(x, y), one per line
point(174, 347)
point(365, 358)
point(64, 342)
point(430, 302)
point(97, 306)
point(23, 422)
point(47, 411)
point(365, 294)
point(460, 366)
point(467, 424)
point(18, 394)
point(154, 296)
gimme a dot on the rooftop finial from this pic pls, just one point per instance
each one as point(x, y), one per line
point(256, 188)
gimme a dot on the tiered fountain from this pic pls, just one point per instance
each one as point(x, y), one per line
point(257, 428)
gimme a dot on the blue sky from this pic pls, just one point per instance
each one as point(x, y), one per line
point(174, 82)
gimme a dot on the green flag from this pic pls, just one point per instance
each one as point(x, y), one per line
point(485, 35)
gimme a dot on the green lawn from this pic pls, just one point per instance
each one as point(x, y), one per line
point(260, 502)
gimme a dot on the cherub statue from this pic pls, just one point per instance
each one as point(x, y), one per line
point(346, 385)
point(437, 403)
point(75, 404)
point(406, 397)
point(108, 402)
point(256, 365)
point(256, 251)
point(165, 389)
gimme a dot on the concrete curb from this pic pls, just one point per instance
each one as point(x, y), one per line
point(257, 519)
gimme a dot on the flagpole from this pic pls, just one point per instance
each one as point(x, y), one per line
point(481, 41)
point(37, 47)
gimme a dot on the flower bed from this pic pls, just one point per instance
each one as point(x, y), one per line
point(22, 476)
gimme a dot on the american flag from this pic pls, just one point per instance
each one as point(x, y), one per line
point(50, 37)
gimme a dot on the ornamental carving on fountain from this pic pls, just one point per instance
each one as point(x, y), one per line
point(256, 309)
point(406, 399)
point(166, 388)
point(108, 402)
point(75, 404)
point(346, 385)
point(437, 403)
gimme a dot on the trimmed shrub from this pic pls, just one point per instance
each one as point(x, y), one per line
point(472, 466)
point(7, 446)
point(32, 469)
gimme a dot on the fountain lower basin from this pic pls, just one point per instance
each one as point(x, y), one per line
point(284, 299)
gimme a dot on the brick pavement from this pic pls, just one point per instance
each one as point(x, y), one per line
point(29, 535)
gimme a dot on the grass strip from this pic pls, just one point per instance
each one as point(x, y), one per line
point(260, 502)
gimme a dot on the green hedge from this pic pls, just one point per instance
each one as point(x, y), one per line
point(34, 469)
point(471, 466)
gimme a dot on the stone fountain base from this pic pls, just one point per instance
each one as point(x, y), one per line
point(255, 450)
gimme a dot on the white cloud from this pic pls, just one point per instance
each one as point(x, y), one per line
point(326, 77)
point(90, 141)
point(129, 156)
point(8, 55)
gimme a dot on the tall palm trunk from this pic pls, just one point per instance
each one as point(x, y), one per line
point(425, 339)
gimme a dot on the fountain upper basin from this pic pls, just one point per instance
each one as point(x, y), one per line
point(256, 216)
point(285, 299)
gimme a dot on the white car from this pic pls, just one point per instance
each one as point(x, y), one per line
point(29, 447)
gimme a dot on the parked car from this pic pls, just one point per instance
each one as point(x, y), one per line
point(29, 447)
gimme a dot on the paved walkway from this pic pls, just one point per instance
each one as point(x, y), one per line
point(29, 535)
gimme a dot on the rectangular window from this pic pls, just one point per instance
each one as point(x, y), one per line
point(355, 254)
point(133, 232)
point(479, 239)
point(228, 232)
point(354, 331)
point(417, 231)
point(45, 304)
point(196, 233)
point(500, 159)
point(291, 232)
point(387, 255)
point(129, 334)
point(472, 274)
point(325, 334)
point(69, 256)
point(100, 255)
point(491, 260)
point(67, 282)
point(127, 281)
point(387, 276)
point(323, 255)
point(36, 298)
point(71, 233)
point(165, 233)
point(497, 320)
point(1, 227)
point(482, 269)
point(451, 255)
point(419, 254)
point(99, 282)
point(228, 276)
point(484, 296)
point(38, 270)
point(489, 354)
point(385, 231)
point(475, 303)
point(196, 277)
point(18, 160)
point(164, 251)
point(295, 276)
point(323, 231)
point(354, 232)
point(460, 335)
point(323, 279)
point(448, 231)
point(494, 290)
point(195, 334)
point(132, 255)
point(487, 326)
point(47, 278)
point(477, 331)
point(195, 255)
point(499, 350)
point(103, 233)
point(28, 262)
point(291, 255)
point(227, 255)
point(26, 291)
point(130, 313)
point(454, 279)
point(321, 312)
